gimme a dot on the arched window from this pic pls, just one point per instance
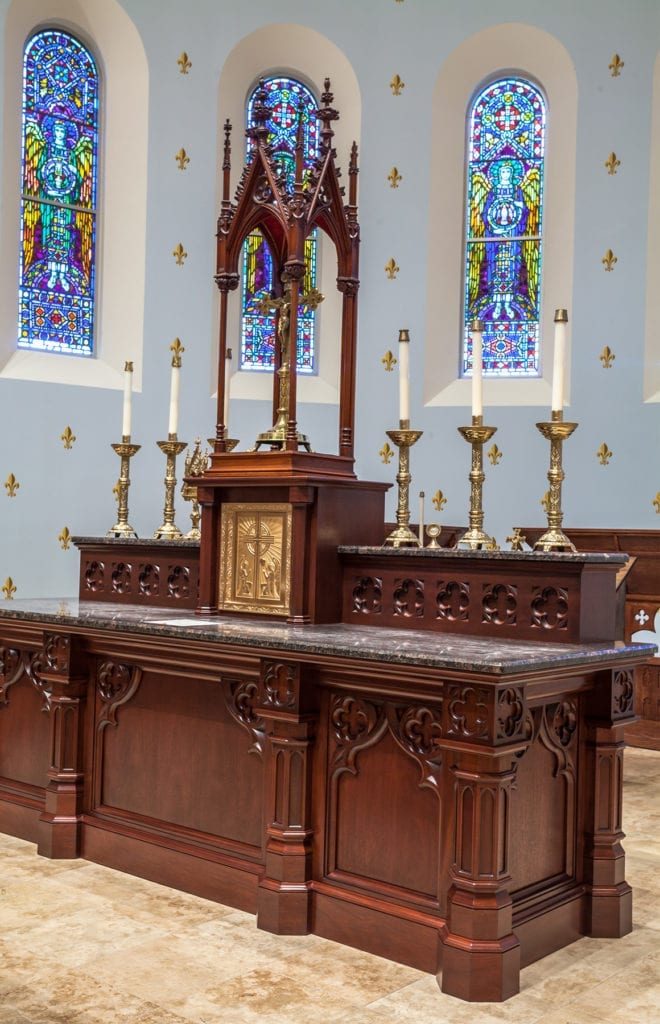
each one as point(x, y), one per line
point(503, 227)
point(286, 99)
point(58, 203)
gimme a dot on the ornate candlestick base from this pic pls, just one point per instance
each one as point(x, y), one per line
point(125, 450)
point(404, 439)
point(554, 538)
point(172, 447)
point(476, 538)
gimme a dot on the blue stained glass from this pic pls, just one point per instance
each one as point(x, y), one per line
point(58, 202)
point(504, 214)
point(286, 98)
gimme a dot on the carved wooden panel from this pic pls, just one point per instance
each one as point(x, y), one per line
point(150, 573)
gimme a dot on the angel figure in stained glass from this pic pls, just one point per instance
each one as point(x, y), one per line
point(58, 224)
point(503, 257)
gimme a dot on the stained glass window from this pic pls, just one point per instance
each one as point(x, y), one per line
point(504, 213)
point(58, 202)
point(286, 98)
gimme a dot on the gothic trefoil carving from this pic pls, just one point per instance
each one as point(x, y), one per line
point(622, 693)
point(468, 712)
point(116, 685)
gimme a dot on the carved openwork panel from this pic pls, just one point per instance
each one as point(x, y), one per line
point(94, 577)
point(564, 722)
point(149, 579)
point(499, 604)
point(368, 595)
point(408, 598)
point(418, 731)
point(511, 716)
point(468, 712)
point(281, 684)
point(453, 600)
point(549, 608)
point(243, 701)
point(178, 582)
point(121, 577)
point(623, 693)
point(355, 723)
point(116, 685)
point(11, 670)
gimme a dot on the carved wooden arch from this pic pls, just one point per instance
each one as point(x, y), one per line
point(286, 216)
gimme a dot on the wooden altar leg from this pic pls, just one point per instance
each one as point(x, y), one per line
point(609, 905)
point(481, 955)
point(283, 902)
point(59, 669)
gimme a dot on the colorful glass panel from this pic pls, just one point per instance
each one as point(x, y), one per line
point(504, 213)
point(285, 99)
point(58, 202)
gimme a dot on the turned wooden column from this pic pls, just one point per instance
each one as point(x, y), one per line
point(283, 901)
point(209, 552)
point(62, 674)
point(610, 708)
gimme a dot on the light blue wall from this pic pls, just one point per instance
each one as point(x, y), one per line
point(380, 38)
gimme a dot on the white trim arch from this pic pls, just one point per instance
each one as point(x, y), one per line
point(529, 52)
point(105, 27)
point(310, 57)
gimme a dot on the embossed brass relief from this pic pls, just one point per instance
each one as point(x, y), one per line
point(255, 542)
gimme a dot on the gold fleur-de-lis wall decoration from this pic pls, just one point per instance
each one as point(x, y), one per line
point(65, 539)
point(494, 454)
point(391, 269)
point(438, 501)
point(612, 163)
point(656, 503)
point(386, 453)
point(184, 64)
point(179, 254)
point(9, 589)
point(607, 357)
point(68, 437)
point(615, 65)
point(182, 159)
point(604, 454)
point(11, 485)
point(388, 361)
point(394, 178)
point(396, 85)
point(545, 500)
point(608, 260)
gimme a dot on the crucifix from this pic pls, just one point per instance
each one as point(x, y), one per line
point(276, 436)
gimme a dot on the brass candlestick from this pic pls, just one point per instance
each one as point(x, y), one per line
point(172, 447)
point(554, 538)
point(477, 435)
point(125, 450)
point(404, 438)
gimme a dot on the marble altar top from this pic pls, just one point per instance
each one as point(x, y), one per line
point(443, 651)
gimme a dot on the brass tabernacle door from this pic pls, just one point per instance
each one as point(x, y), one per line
point(255, 566)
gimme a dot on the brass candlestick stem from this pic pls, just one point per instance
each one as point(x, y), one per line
point(477, 435)
point(125, 450)
point(172, 447)
point(404, 438)
point(554, 538)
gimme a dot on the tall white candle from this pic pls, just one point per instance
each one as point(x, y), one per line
point(128, 398)
point(477, 367)
point(177, 348)
point(404, 375)
point(559, 361)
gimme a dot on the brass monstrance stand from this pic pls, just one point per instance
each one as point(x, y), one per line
point(276, 436)
point(476, 538)
point(554, 538)
point(125, 450)
point(404, 438)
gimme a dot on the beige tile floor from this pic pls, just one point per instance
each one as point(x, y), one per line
point(126, 951)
